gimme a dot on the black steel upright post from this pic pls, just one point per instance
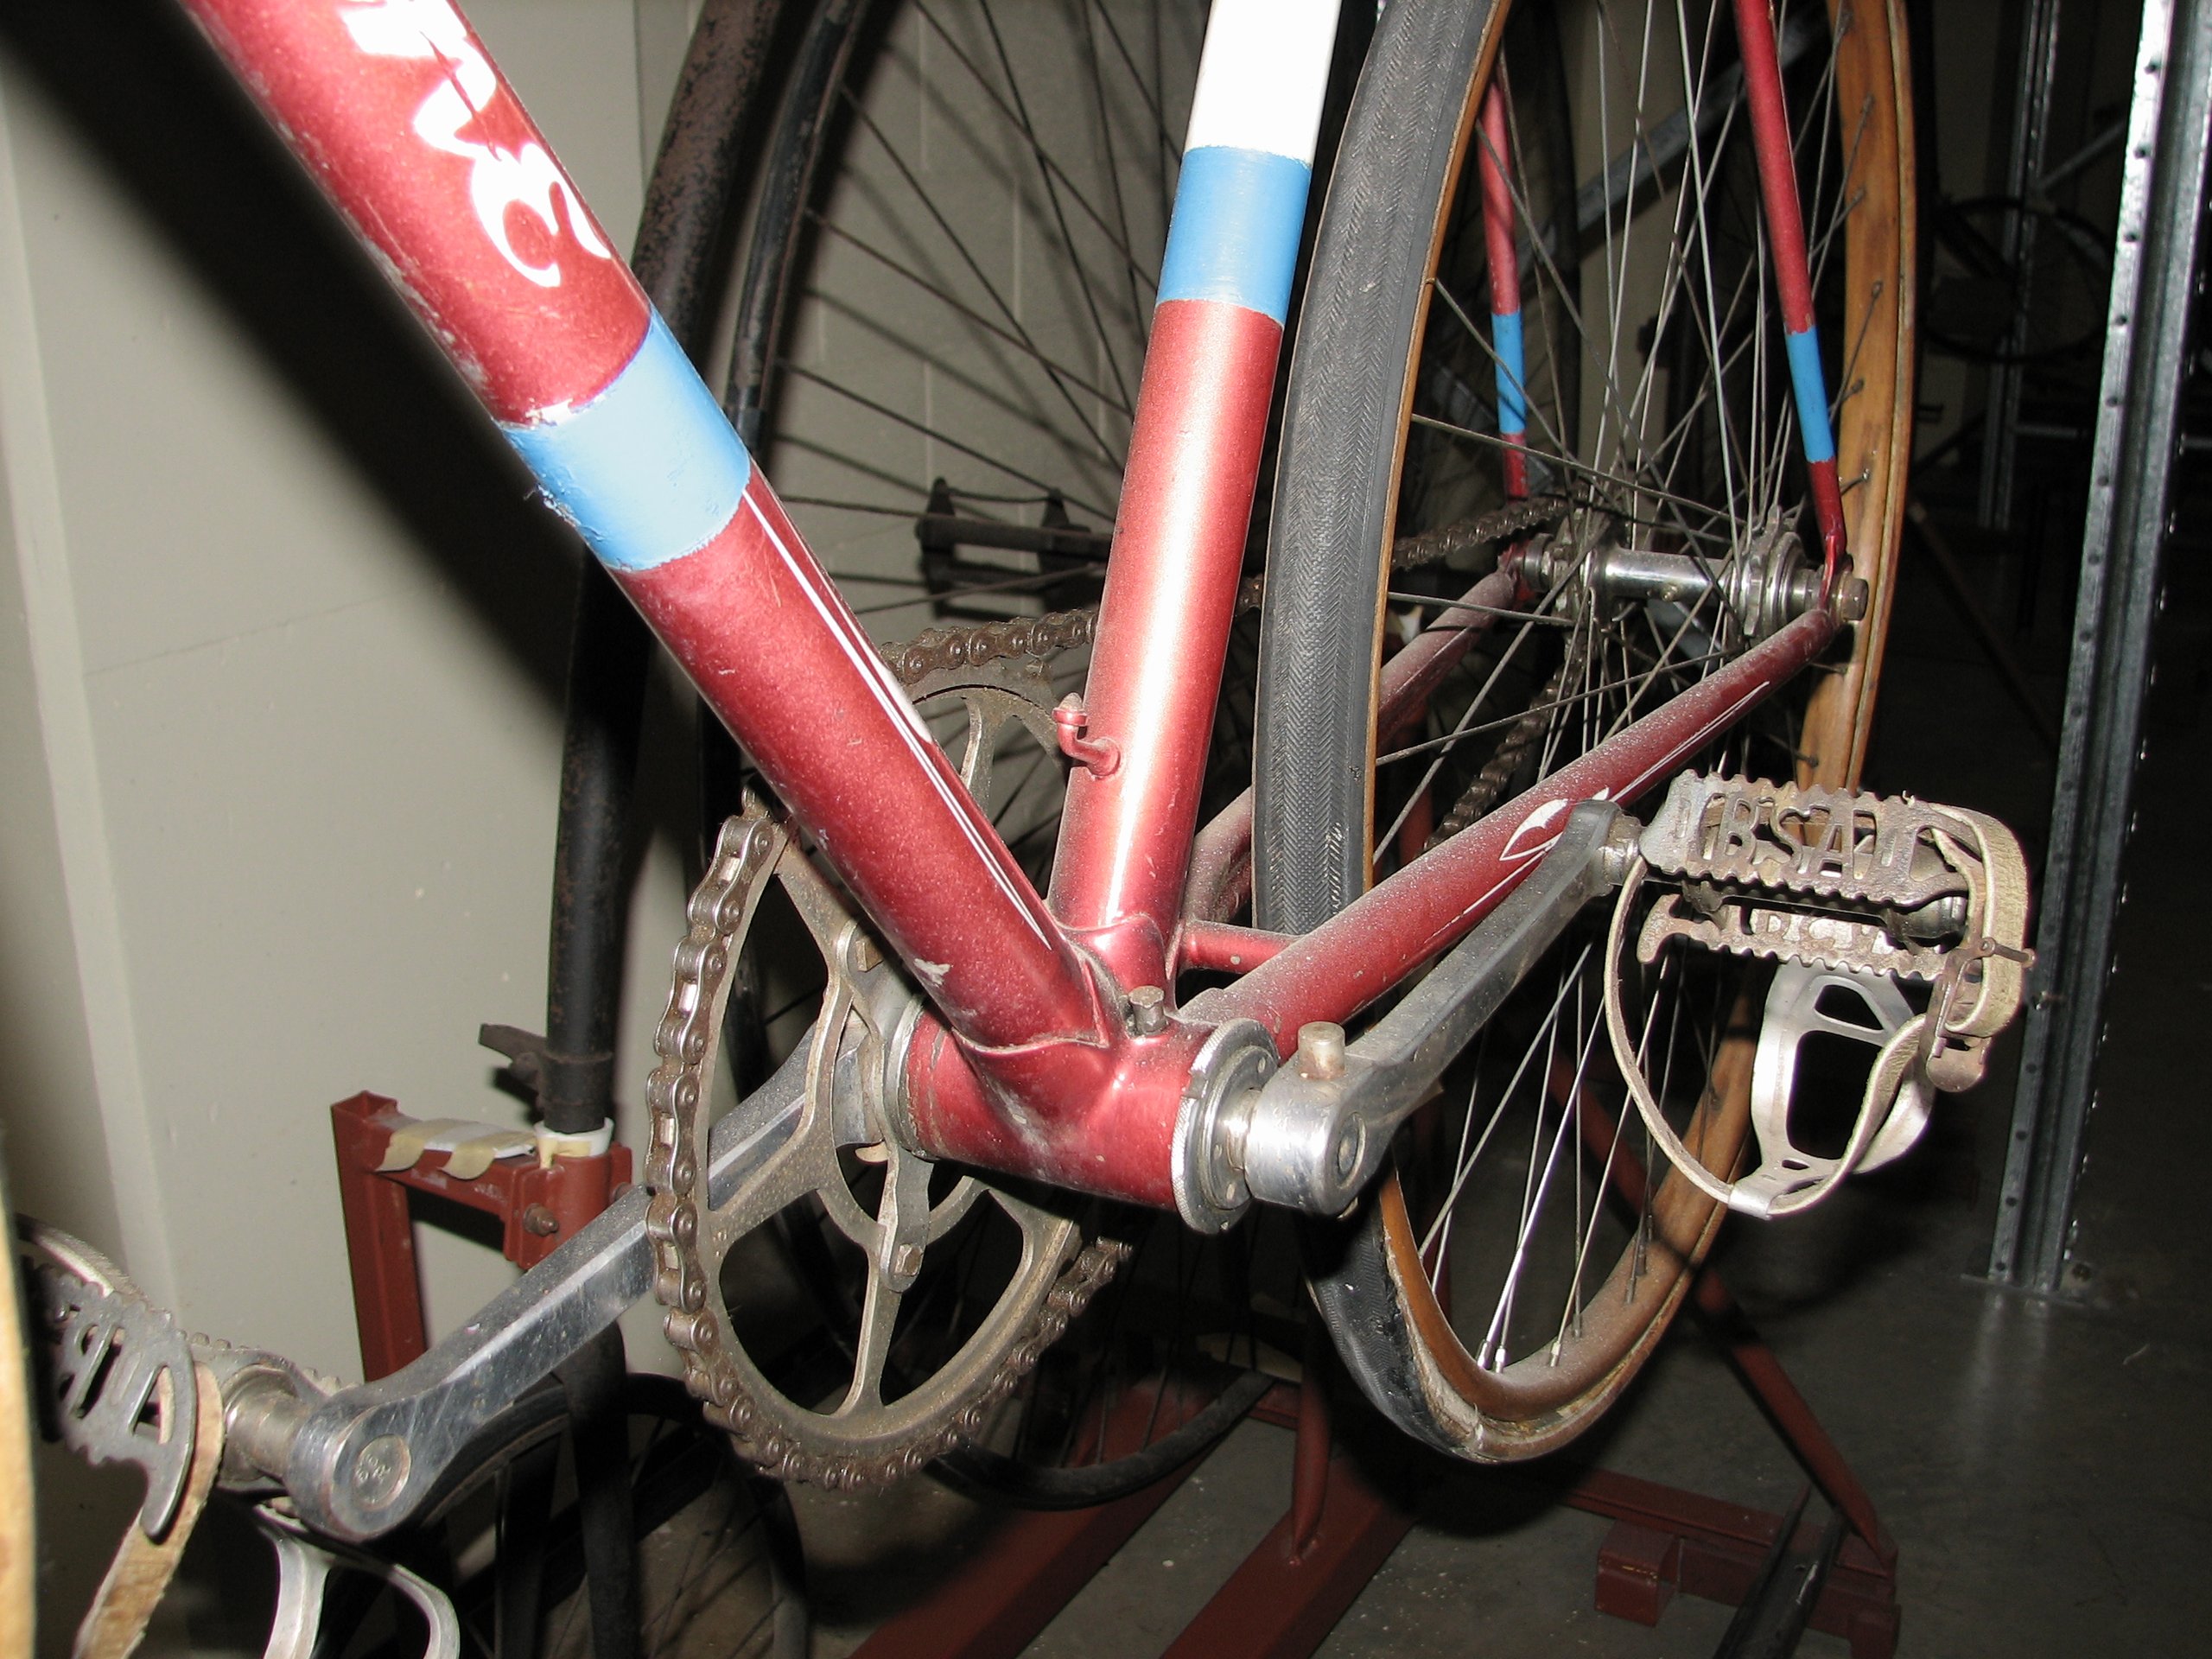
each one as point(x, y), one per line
point(682, 233)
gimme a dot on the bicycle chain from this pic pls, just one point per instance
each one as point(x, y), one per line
point(1488, 785)
point(720, 910)
point(1044, 636)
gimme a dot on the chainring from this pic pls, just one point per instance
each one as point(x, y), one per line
point(861, 1438)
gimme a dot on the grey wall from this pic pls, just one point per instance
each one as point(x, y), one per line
point(280, 646)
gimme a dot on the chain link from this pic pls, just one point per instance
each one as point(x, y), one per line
point(1043, 638)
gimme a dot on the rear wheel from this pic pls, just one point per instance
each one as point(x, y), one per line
point(1499, 1287)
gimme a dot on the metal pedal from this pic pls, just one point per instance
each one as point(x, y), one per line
point(1852, 894)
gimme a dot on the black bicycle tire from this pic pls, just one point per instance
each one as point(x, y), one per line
point(542, 1415)
point(1330, 530)
point(977, 1471)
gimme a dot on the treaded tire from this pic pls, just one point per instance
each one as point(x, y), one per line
point(1326, 567)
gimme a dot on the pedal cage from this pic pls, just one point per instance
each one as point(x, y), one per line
point(1849, 893)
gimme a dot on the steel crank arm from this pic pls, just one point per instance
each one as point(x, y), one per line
point(1314, 1134)
point(361, 1462)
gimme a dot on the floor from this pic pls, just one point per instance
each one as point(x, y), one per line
point(2043, 1465)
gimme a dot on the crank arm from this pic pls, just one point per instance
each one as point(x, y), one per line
point(361, 1462)
point(1315, 1133)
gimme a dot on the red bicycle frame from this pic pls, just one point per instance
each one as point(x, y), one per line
point(1027, 1062)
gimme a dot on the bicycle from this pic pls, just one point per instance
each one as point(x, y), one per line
point(1049, 1044)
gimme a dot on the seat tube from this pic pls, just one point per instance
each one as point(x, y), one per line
point(1193, 466)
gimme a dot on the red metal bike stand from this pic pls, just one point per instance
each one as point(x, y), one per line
point(1290, 1592)
point(537, 1206)
point(1012, 1588)
point(1664, 1540)
point(1279, 1604)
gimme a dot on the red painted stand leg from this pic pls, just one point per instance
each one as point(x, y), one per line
point(1291, 1591)
point(1014, 1587)
point(1664, 1540)
point(1667, 1540)
point(379, 1241)
point(537, 1206)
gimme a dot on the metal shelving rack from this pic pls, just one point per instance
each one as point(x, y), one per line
point(2154, 293)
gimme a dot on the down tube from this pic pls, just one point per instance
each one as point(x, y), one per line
point(1194, 460)
point(398, 113)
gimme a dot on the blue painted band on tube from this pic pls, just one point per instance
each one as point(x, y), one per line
point(1512, 374)
point(1811, 387)
point(648, 470)
point(1234, 238)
